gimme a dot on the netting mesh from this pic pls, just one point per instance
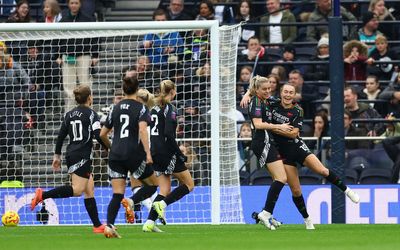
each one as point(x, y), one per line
point(39, 71)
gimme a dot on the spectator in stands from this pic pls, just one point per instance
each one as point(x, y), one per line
point(392, 94)
point(206, 11)
point(144, 73)
point(76, 56)
point(369, 30)
point(319, 72)
point(355, 60)
point(244, 146)
point(191, 124)
point(281, 72)
point(274, 81)
point(305, 93)
point(277, 33)
point(223, 12)
point(244, 13)
point(372, 89)
point(254, 55)
point(21, 13)
point(51, 11)
point(176, 11)
point(361, 111)
point(382, 53)
point(192, 163)
point(321, 13)
point(320, 128)
point(244, 79)
point(379, 9)
point(159, 48)
point(288, 56)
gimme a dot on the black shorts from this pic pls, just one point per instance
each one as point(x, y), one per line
point(79, 166)
point(294, 152)
point(168, 165)
point(266, 152)
point(137, 168)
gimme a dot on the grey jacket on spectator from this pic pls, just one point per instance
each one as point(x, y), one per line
point(14, 84)
point(289, 33)
point(387, 93)
point(314, 33)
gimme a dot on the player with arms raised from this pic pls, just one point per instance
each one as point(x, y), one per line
point(81, 124)
point(130, 151)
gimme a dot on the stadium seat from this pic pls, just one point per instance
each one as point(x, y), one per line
point(274, 54)
point(305, 53)
point(351, 176)
point(261, 177)
point(375, 176)
point(244, 177)
point(307, 177)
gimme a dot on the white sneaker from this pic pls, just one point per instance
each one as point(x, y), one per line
point(265, 219)
point(275, 222)
point(150, 226)
point(309, 224)
point(353, 196)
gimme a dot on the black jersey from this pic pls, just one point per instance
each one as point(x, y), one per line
point(281, 115)
point(125, 118)
point(259, 108)
point(81, 124)
point(163, 131)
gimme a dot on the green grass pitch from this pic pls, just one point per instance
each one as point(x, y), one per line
point(192, 237)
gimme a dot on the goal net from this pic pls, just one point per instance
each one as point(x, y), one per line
point(42, 63)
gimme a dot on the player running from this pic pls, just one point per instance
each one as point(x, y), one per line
point(130, 151)
point(81, 124)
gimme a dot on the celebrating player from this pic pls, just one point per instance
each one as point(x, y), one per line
point(168, 158)
point(130, 151)
point(266, 153)
point(81, 124)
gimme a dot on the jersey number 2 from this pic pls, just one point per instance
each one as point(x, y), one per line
point(77, 130)
point(154, 130)
point(124, 119)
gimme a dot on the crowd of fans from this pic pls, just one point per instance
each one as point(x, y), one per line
point(270, 45)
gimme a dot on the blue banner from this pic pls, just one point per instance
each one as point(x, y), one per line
point(379, 204)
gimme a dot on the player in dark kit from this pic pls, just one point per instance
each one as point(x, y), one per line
point(81, 124)
point(168, 158)
point(293, 150)
point(130, 151)
point(263, 148)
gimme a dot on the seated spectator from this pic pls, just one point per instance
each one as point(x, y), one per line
point(281, 72)
point(361, 111)
point(305, 93)
point(160, 47)
point(144, 73)
point(21, 13)
point(277, 34)
point(319, 129)
point(206, 11)
point(355, 57)
point(254, 55)
point(197, 46)
point(244, 13)
point(392, 94)
point(192, 163)
point(274, 81)
point(244, 146)
point(176, 11)
point(319, 72)
point(372, 90)
point(191, 124)
point(51, 11)
point(369, 30)
point(243, 83)
point(321, 13)
point(223, 12)
point(381, 53)
point(288, 56)
point(379, 9)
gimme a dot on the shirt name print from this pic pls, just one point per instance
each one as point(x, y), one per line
point(124, 106)
point(75, 113)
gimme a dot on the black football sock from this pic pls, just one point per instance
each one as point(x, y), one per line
point(335, 180)
point(91, 208)
point(143, 193)
point(59, 192)
point(113, 208)
point(176, 194)
point(301, 205)
point(272, 197)
point(153, 214)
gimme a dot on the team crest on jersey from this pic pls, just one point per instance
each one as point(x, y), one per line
point(289, 114)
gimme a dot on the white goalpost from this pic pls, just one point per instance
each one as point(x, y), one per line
point(41, 63)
